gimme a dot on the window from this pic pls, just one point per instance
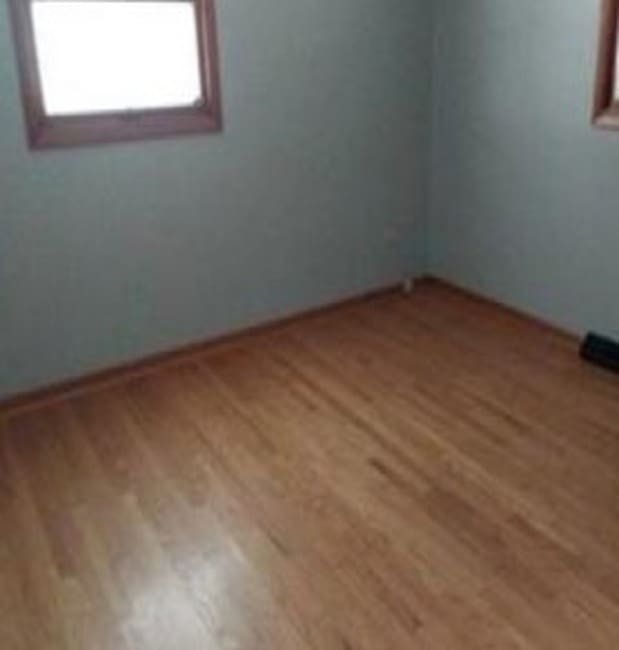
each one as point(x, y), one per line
point(606, 101)
point(107, 70)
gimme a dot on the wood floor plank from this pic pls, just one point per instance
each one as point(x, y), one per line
point(410, 472)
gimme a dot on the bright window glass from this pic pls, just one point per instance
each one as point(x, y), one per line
point(115, 56)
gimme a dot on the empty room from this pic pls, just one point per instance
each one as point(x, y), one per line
point(309, 324)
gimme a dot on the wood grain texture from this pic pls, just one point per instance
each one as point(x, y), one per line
point(123, 372)
point(409, 472)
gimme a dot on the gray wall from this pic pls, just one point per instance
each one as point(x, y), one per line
point(525, 194)
point(315, 191)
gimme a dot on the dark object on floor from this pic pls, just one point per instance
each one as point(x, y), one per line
point(601, 351)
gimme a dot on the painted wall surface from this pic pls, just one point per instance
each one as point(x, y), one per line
point(525, 194)
point(315, 191)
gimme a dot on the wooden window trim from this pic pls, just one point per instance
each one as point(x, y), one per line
point(44, 131)
point(605, 105)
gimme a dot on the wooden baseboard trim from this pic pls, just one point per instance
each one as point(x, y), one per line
point(531, 319)
point(120, 373)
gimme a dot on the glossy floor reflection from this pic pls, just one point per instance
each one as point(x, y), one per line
point(404, 473)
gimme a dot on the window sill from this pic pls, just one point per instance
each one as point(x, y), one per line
point(101, 128)
point(607, 119)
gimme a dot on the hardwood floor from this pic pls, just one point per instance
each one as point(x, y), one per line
point(421, 472)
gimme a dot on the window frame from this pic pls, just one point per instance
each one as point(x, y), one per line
point(605, 104)
point(48, 131)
